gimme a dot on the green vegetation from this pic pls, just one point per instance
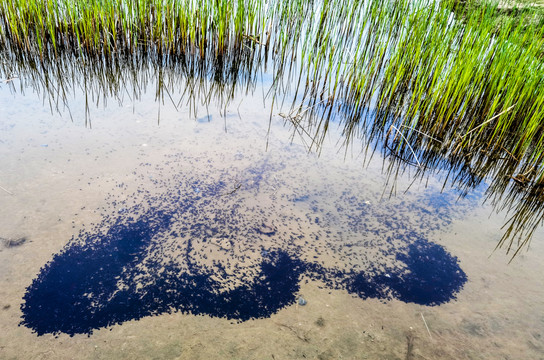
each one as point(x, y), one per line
point(102, 27)
point(465, 88)
point(506, 10)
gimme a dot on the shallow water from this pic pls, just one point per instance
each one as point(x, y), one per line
point(195, 237)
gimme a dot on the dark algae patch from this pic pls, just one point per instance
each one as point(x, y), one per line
point(432, 274)
point(197, 248)
point(431, 277)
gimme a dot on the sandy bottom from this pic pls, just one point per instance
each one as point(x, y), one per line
point(65, 178)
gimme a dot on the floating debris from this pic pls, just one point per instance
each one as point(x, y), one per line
point(320, 321)
point(13, 242)
point(267, 228)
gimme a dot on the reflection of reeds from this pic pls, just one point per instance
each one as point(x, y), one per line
point(461, 92)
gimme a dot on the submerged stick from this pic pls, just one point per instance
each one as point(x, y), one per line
point(410, 348)
point(6, 190)
point(236, 187)
point(411, 149)
point(421, 132)
point(485, 122)
point(426, 326)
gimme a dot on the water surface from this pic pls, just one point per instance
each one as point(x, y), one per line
point(196, 237)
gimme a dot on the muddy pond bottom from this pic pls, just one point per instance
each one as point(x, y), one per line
point(221, 236)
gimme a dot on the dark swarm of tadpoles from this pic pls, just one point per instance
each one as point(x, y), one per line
point(434, 88)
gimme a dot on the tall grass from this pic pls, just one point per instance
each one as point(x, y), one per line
point(106, 27)
point(433, 86)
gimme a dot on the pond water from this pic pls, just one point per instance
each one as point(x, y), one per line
point(215, 233)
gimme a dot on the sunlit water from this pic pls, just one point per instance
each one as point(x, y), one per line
point(221, 236)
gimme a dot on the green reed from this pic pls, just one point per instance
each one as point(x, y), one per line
point(105, 27)
point(432, 85)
